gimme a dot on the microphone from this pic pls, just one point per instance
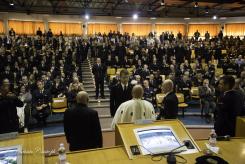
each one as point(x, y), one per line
point(223, 138)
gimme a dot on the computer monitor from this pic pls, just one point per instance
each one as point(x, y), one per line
point(11, 155)
point(157, 139)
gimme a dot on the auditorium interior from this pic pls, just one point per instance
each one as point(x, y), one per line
point(75, 76)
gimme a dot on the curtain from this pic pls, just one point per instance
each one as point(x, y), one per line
point(65, 28)
point(25, 27)
point(137, 29)
point(213, 29)
point(102, 28)
point(235, 29)
point(175, 28)
point(1, 27)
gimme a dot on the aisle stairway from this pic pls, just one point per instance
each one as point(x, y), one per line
point(100, 105)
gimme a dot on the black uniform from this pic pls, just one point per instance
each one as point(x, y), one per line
point(99, 72)
point(9, 120)
point(119, 95)
point(82, 128)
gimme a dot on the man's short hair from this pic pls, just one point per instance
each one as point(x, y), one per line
point(228, 80)
point(124, 72)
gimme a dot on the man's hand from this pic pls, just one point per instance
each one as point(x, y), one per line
point(39, 108)
point(44, 105)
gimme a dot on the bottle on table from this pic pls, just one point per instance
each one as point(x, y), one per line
point(212, 138)
point(62, 154)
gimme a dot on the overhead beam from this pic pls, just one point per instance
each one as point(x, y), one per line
point(105, 6)
point(115, 6)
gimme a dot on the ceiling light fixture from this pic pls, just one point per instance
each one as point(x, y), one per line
point(187, 18)
point(206, 10)
point(135, 16)
point(196, 4)
point(87, 17)
point(153, 18)
point(222, 18)
point(162, 3)
point(214, 17)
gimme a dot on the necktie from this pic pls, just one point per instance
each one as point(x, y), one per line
point(125, 88)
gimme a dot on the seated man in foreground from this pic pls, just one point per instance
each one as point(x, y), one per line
point(135, 109)
point(82, 125)
point(170, 102)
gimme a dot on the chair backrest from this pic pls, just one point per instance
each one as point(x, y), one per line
point(130, 70)
point(111, 71)
point(159, 98)
point(119, 70)
point(194, 91)
point(192, 65)
point(223, 51)
point(219, 71)
point(180, 97)
point(193, 54)
point(163, 77)
point(58, 103)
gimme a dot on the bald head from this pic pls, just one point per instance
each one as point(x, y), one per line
point(137, 92)
point(82, 97)
point(168, 86)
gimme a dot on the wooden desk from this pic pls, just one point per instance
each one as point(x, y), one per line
point(124, 133)
point(232, 151)
point(32, 147)
point(240, 127)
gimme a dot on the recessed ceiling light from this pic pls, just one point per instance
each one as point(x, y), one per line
point(196, 4)
point(222, 18)
point(87, 16)
point(153, 18)
point(187, 18)
point(119, 17)
point(11, 4)
point(214, 17)
point(135, 16)
point(162, 3)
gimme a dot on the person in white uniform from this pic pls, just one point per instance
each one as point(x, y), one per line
point(135, 109)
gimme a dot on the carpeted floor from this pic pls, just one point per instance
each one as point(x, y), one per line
point(55, 125)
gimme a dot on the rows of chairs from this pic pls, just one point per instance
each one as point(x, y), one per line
point(181, 99)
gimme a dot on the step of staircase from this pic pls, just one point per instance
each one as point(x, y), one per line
point(101, 103)
point(105, 123)
point(92, 94)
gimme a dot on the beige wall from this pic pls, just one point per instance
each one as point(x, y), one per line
point(52, 143)
point(5, 16)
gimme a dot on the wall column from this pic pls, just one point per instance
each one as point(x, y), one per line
point(45, 21)
point(186, 29)
point(5, 24)
point(120, 28)
point(153, 27)
point(85, 28)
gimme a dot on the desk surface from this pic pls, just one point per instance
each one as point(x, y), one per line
point(232, 151)
point(240, 127)
point(32, 147)
point(124, 133)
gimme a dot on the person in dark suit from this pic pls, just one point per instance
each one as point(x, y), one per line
point(9, 120)
point(12, 32)
point(81, 125)
point(99, 71)
point(40, 102)
point(39, 32)
point(120, 92)
point(230, 106)
point(170, 102)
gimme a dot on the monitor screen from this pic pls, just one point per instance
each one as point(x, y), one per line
point(11, 155)
point(156, 140)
